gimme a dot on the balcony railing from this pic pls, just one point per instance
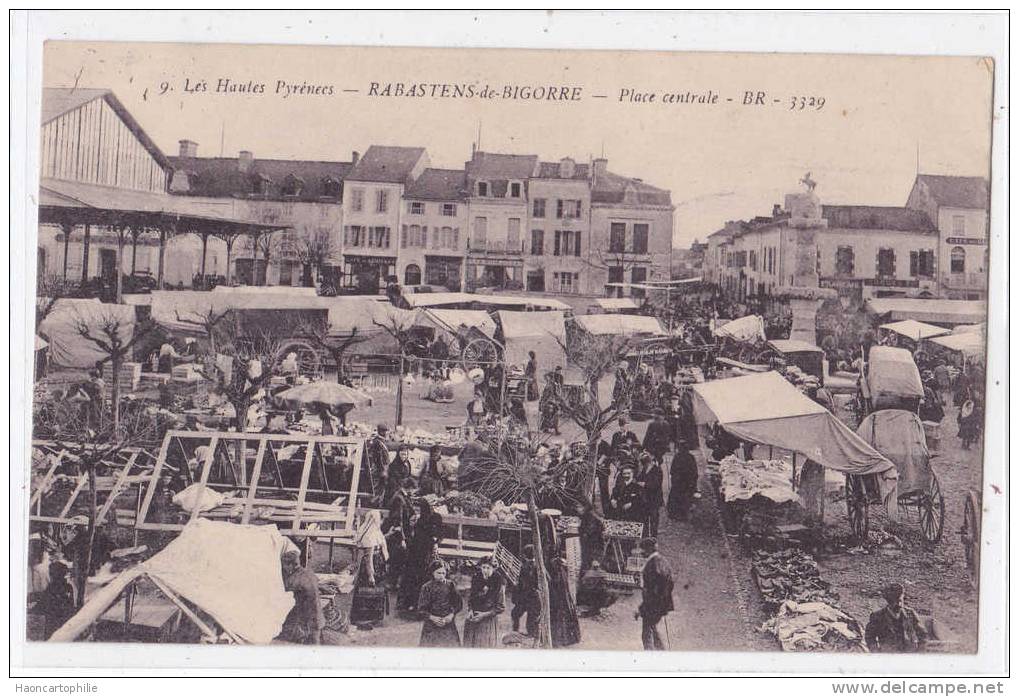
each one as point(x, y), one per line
point(495, 247)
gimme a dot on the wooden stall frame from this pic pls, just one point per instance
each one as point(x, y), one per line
point(303, 511)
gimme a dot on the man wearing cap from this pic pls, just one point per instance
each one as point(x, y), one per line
point(656, 595)
point(304, 623)
point(895, 628)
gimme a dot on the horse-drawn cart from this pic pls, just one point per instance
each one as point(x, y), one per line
point(898, 435)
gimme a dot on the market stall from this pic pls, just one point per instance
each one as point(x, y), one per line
point(541, 332)
point(765, 409)
point(950, 312)
point(969, 345)
point(913, 330)
point(891, 380)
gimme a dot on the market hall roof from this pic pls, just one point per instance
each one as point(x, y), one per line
point(957, 192)
point(438, 185)
point(80, 203)
point(289, 180)
point(57, 101)
point(877, 218)
point(387, 164)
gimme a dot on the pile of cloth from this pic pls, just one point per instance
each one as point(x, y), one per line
point(789, 574)
point(815, 626)
point(742, 480)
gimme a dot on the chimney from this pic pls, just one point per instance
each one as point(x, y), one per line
point(244, 160)
point(188, 148)
point(354, 157)
point(601, 166)
point(566, 166)
point(776, 210)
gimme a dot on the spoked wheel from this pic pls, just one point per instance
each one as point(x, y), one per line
point(857, 507)
point(932, 511)
point(480, 353)
point(970, 534)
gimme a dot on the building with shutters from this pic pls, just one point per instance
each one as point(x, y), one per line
point(860, 251)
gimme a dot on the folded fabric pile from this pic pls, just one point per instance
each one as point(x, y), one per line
point(741, 481)
point(815, 626)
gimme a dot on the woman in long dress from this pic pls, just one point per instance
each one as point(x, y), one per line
point(487, 601)
point(565, 623)
point(369, 540)
point(438, 602)
point(420, 555)
point(531, 374)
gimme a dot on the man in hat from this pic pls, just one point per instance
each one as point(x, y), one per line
point(623, 437)
point(526, 600)
point(658, 437)
point(56, 602)
point(656, 595)
point(895, 628)
point(304, 623)
point(628, 499)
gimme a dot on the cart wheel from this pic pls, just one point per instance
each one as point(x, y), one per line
point(480, 352)
point(932, 511)
point(857, 507)
point(970, 534)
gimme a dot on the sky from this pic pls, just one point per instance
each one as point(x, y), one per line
point(882, 115)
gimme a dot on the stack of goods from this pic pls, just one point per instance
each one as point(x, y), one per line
point(742, 480)
point(805, 382)
point(185, 372)
point(467, 504)
point(807, 616)
point(130, 375)
point(789, 574)
point(815, 626)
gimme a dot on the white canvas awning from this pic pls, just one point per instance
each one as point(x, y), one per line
point(625, 325)
point(541, 332)
point(941, 311)
point(764, 408)
point(794, 346)
point(67, 347)
point(451, 320)
point(232, 572)
point(617, 304)
point(969, 344)
point(749, 328)
point(917, 331)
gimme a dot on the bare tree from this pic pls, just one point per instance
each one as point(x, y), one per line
point(398, 324)
point(89, 444)
point(313, 252)
point(108, 333)
point(205, 322)
point(596, 357)
point(515, 470)
point(319, 333)
point(50, 289)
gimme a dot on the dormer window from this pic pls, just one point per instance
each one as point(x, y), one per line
point(416, 208)
point(262, 184)
point(515, 189)
point(482, 188)
point(332, 187)
point(292, 185)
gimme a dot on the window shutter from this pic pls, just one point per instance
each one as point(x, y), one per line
point(577, 253)
point(559, 208)
point(424, 236)
point(558, 237)
point(914, 263)
point(403, 236)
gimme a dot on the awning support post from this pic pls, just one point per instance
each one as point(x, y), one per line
point(66, 227)
point(85, 252)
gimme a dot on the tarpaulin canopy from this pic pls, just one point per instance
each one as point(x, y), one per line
point(230, 571)
point(794, 346)
point(451, 320)
point(764, 408)
point(969, 344)
point(541, 332)
point(917, 331)
point(749, 328)
point(940, 311)
point(898, 435)
point(980, 328)
point(68, 348)
point(892, 371)
point(416, 300)
point(617, 303)
point(626, 325)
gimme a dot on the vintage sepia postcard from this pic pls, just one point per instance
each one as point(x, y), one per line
point(343, 348)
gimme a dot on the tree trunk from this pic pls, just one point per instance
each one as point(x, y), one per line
point(399, 395)
point(545, 621)
point(115, 362)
